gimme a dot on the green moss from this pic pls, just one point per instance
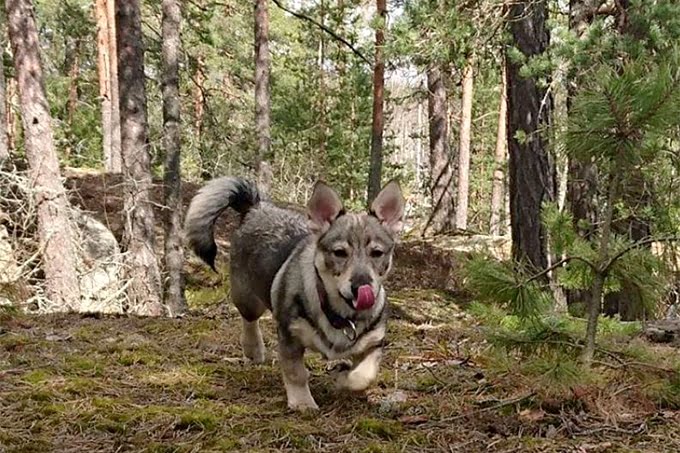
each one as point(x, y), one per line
point(236, 410)
point(87, 334)
point(36, 377)
point(228, 444)
point(111, 426)
point(82, 365)
point(206, 297)
point(426, 383)
point(13, 341)
point(384, 429)
point(41, 395)
point(81, 386)
point(137, 357)
point(53, 409)
point(197, 420)
point(205, 289)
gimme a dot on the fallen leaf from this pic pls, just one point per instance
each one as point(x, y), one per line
point(532, 415)
point(413, 419)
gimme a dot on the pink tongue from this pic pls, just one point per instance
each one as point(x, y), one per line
point(365, 298)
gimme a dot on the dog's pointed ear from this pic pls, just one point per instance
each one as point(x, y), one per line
point(324, 206)
point(388, 207)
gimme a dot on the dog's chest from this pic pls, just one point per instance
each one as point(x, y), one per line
point(336, 344)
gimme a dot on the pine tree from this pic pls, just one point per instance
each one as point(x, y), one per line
point(174, 253)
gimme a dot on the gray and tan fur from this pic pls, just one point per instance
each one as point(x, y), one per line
point(307, 270)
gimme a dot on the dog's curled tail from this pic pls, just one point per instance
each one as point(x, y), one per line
point(207, 205)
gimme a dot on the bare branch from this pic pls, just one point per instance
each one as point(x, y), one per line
point(327, 30)
point(642, 243)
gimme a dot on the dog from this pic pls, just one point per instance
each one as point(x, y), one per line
point(320, 274)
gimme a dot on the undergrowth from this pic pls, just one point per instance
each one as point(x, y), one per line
point(543, 353)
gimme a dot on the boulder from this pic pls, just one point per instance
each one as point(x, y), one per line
point(9, 269)
point(100, 267)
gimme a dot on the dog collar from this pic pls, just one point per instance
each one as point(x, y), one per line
point(337, 321)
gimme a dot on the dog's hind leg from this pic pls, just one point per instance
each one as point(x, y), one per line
point(295, 376)
point(251, 341)
point(251, 308)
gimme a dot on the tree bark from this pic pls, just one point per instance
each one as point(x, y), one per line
point(582, 174)
point(198, 98)
point(73, 75)
point(72, 65)
point(12, 117)
point(500, 156)
point(116, 153)
point(262, 95)
point(144, 292)
point(531, 168)
point(595, 302)
point(174, 299)
point(378, 123)
point(104, 74)
point(582, 180)
point(55, 234)
point(463, 182)
point(4, 136)
point(441, 171)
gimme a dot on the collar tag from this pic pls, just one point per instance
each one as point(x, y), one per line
point(350, 330)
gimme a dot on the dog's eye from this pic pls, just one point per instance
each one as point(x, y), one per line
point(340, 253)
point(377, 253)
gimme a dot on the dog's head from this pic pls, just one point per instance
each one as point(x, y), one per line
point(354, 250)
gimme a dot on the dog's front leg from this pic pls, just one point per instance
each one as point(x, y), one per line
point(363, 373)
point(295, 376)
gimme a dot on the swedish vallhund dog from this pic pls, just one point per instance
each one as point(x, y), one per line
point(321, 275)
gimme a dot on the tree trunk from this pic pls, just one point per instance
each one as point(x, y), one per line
point(582, 180)
point(12, 117)
point(531, 169)
point(582, 174)
point(497, 195)
point(198, 98)
point(116, 153)
point(595, 302)
point(172, 222)
point(144, 292)
point(463, 182)
point(73, 75)
point(262, 95)
point(375, 170)
point(4, 136)
point(57, 242)
point(441, 173)
point(104, 72)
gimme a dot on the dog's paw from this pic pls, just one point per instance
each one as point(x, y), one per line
point(303, 406)
point(353, 380)
point(255, 356)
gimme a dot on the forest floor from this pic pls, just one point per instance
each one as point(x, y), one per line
point(81, 383)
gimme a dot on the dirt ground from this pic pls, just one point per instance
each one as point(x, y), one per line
point(72, 383)
point(78, 383)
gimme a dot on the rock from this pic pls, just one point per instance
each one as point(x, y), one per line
point(664, 331)
point(500, 247)
point(9, 268)
point(99, 267)
point(392, 401)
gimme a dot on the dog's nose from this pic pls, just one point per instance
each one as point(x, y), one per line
point(359, 280)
